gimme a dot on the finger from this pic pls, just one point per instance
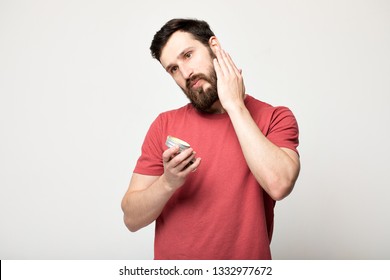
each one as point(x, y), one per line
point(228, 62)
point(177, 160)
point(232, 65)
point(186, 162)
point(193, 167)
point(222, 62)
point(217, 68)
point(170, 153)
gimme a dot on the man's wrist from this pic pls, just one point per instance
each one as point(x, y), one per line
point(235, 109)
point(165, 185)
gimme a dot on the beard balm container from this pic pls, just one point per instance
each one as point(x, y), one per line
point(174, 141)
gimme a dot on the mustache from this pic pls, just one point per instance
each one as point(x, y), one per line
point(195, 77)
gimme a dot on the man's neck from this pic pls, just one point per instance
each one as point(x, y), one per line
point(217, 108)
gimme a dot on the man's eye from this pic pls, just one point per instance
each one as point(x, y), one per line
point(173, 69)
point(188, 55)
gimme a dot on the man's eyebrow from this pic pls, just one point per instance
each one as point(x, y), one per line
point(180, 55)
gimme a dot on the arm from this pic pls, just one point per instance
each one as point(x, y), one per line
point(147, 195)
point(276, 169)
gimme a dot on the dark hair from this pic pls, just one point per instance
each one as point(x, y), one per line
point(198, 28)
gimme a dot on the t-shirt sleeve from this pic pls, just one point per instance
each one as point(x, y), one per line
point(150, 161)
point(283, 130)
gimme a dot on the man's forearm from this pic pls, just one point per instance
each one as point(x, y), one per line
point(147, 195)
point(143, 206)
point(274, 168)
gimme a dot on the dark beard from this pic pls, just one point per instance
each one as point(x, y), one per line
point(200, 99)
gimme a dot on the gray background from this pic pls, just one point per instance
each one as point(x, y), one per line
point(78, 91)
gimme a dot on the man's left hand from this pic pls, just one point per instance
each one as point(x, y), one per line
point(231, 89)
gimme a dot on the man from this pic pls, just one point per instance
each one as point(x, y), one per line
point(243, 154)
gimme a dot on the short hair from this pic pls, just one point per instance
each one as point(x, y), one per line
point(198, 28)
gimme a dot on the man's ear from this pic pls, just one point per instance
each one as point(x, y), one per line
point(214, 44)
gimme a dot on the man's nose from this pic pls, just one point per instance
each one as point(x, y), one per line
point(187, 72)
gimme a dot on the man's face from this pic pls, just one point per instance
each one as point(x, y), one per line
point(190, 63)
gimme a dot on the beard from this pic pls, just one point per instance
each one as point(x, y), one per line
point(202, 99)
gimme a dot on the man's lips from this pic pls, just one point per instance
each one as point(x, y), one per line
point(195, 83)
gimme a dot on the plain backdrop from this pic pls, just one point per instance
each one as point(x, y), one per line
point(79, 89)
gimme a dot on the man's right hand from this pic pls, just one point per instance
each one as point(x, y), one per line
point(177, 166)
point(147, 195)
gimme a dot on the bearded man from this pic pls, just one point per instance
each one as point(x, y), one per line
point(215, 199)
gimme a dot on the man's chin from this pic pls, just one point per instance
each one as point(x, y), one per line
point(206, 106)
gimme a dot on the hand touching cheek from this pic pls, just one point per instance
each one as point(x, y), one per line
point(231, 89)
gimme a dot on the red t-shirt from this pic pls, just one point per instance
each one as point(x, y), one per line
point(221, 212)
